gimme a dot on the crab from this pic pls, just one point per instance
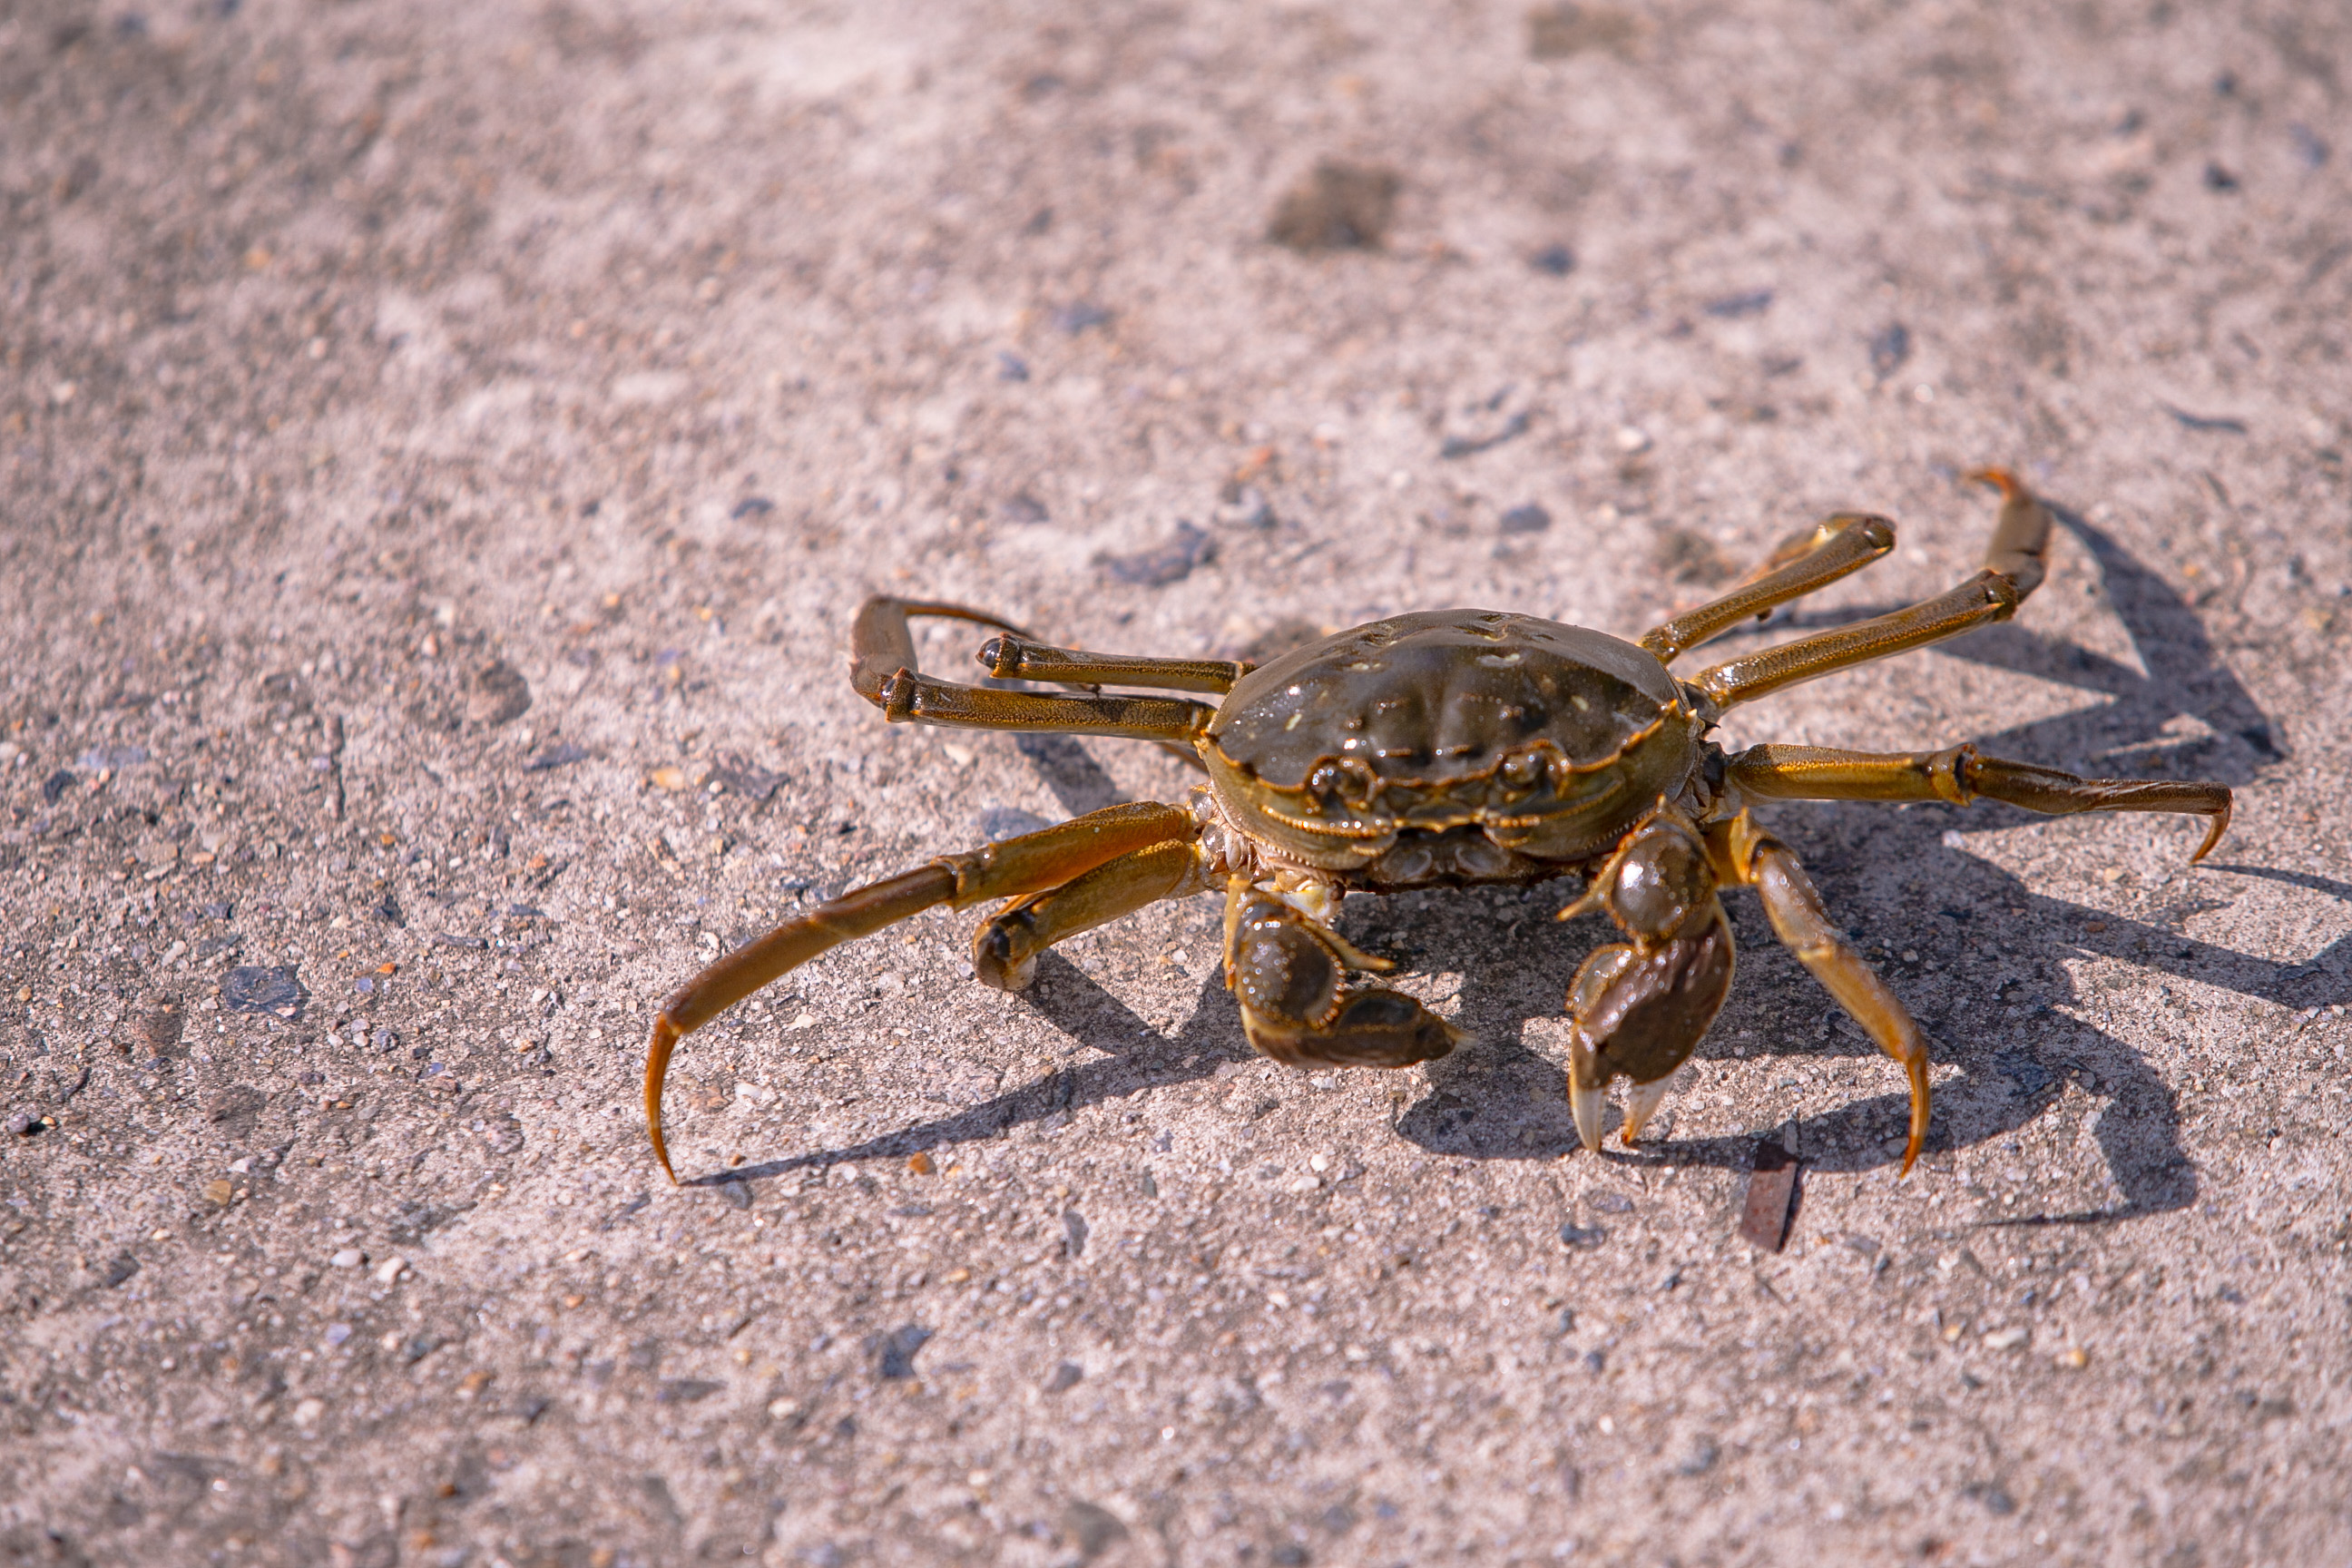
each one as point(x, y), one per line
point(1451, 748)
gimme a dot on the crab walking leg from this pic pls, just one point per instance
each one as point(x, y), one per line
point(882, 670)
point(1005, 951)
point(1960, 775)
point(1030, 863)
point(1015, 658)
point(1810, 559)
point(1746, 854)
point(2012, 570)
point(1289, 973)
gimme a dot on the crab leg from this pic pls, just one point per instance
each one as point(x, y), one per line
point(882, 668)
point(1005, 951)
point(1033, 861)
point(1746, 855)
point(1807, 561)
point(2013, 567)
point(1960, 775)
point(1015, 658)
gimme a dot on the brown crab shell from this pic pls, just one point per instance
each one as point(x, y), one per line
point(1544, 740)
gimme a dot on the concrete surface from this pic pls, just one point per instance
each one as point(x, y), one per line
point(440, 446)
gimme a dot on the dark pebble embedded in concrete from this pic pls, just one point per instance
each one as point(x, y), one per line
point(1575, 1235)
point(1023, 508)
point(1527, 518)
point(258, 988)
point(1611, 1202)
point(54, 787)
point(746, 780)
point(1889, 347)
point(1754, 303)
point(1188, 550)
point(896, 1352)
point(752, 506)
point(1338, 206)
point(1011, 367)
point(685, 1390)
point(1064, 1378)
point(556, 756)
point(1080, 317)
point(1554, 261)
point(999, 823)
point(500, 694)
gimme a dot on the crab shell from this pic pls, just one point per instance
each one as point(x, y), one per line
point(1451, 747)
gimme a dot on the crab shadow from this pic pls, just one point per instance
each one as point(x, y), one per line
point(1501, 1098)
point(1136, 1058)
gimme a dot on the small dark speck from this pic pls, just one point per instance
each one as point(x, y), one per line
point(685, 1390)
point(1080, 317)
point(1612, 1203)
point(1554, 261)
point(1527, 518)
point(56, 786)
point(1575, 1235)
point(1994, 1496)
point(1023, 508)
point(752, 505)
point(558, 756)
point(131, 26)
point(737, 1194)
point(2230, 1293)
point(2219, 423)
point(2218, 178)
point(1011, 367)
point(1172, 562)
point(2308, 146)
point(1289, 1555)
point(999, 823)
point(1889, 347)
point(1594, 1361)
point(1754, 301)
point(1064, 1378)
point(912, 1211)
point(898, 1351)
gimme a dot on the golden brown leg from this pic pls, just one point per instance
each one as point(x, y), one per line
point(1017, 657)
point(1958, 775)
point(1807, 561)
point(1745, 854)
point(1033, 861)
point(2013, 568)
point(882, 668)
point(1005, 951)
point(1289, 972)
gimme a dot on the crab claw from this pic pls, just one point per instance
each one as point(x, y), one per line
point(1642, 1101)
point(1588, 1092)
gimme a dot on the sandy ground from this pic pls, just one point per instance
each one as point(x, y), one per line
point(441, 446)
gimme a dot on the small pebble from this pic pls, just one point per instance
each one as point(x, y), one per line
point(1554, 261)
point(2007, 1339)
point(349, 1257)
point(2074, 1358)
point(385, 1272)
point(1527, 518)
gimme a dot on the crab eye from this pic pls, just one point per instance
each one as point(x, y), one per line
point(1523, 770)
point(1324, 781)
